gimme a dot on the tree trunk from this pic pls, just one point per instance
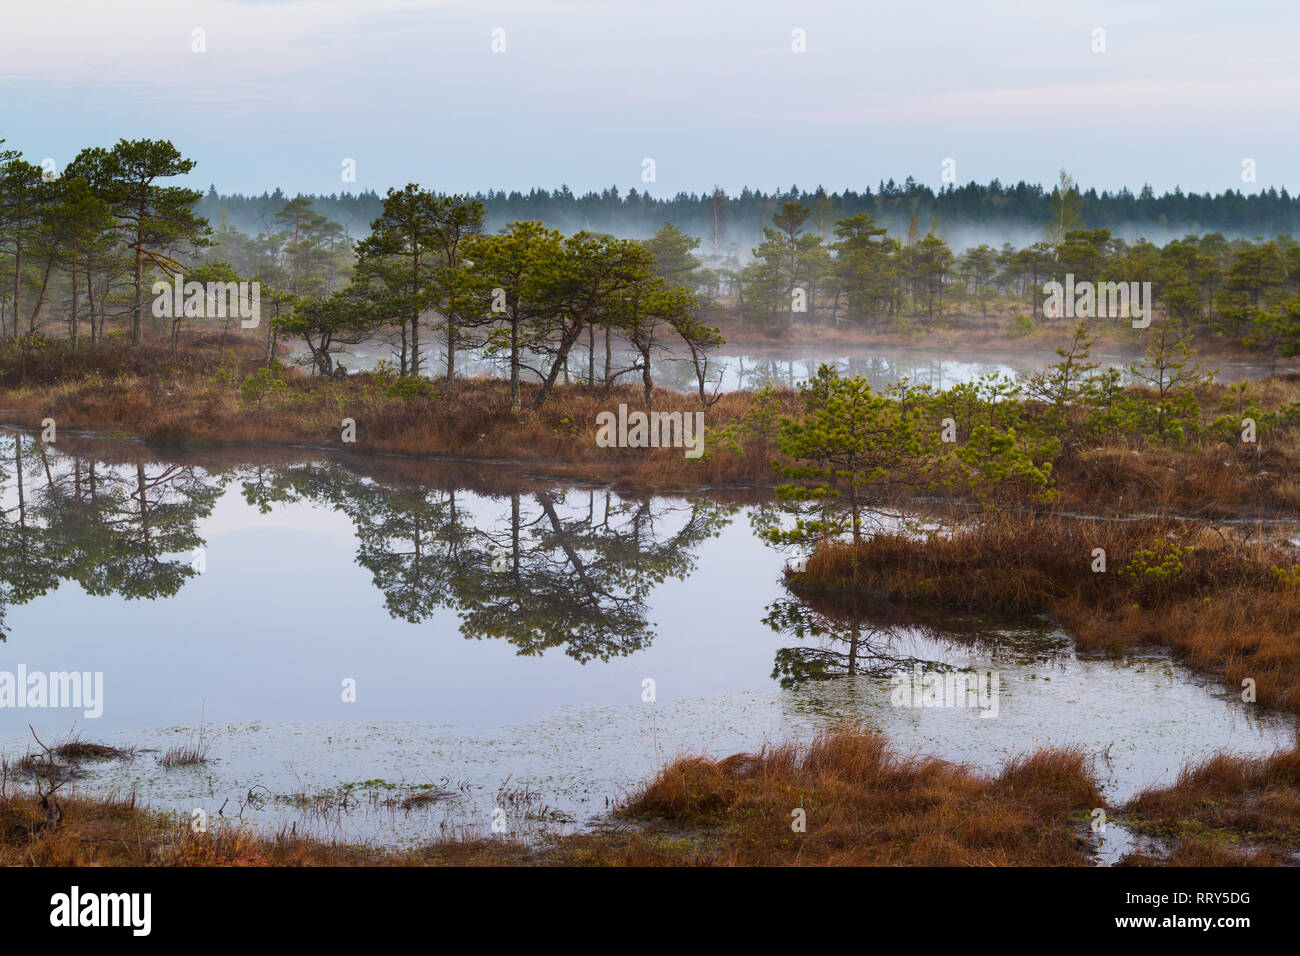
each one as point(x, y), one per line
point(562, 358)
point(72, 330)
point(415, 312)
point(18, 271)
point(415, 346)
point(40, 299)
point(451, 351)
point(514, 361)
point(138, 307)
point(645, 377)
point(608, 357)
point(95, 333)
point(270, 336)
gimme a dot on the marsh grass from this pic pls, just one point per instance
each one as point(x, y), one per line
point(197, 399)
point(1228, 605)
point(868, 805)
point(59, 762)
point(32, 766)
point(1243, 809)
point(865, 804)
point(185, 755)
point(199, 402)
point(75, 749)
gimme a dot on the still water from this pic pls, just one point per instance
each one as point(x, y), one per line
point(733, 368)
point(353, 634)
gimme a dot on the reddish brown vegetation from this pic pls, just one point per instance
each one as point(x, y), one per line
point(865, 805)
point(202, 401)
point(1228, 798)
point(204, 398)
point(1214, 599)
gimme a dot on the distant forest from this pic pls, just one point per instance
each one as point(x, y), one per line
point(89, 245)
point(963, 215)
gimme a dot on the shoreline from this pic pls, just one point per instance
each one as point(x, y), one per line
point(85, 442)
point(867, 803)
point(468, 426)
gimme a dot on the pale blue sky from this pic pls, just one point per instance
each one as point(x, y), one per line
point(712, 91)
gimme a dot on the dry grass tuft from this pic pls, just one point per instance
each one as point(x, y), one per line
point(867, 805)
point(184, 755)
point(1225, 800)
point(1230, 607)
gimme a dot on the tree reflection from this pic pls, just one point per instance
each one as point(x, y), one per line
point(854, 636)
point(113, 530)
point(542, 568)
point(579, 578)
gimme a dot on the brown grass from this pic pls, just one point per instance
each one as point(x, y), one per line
point(1197, 852)
point(865, 805)
point(196, 399)
point(199, 401)
point(74, 749)
point(183, 755)
point(43, 767)
point(1222, 607)
point(1238, 806)
point(1208, 478)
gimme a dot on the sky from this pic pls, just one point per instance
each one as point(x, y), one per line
point(286, 92)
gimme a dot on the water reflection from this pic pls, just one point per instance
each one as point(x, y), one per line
point(567, 568)
point(852, 637)
point(732, 369)
point(543, 568)
point(126, 531)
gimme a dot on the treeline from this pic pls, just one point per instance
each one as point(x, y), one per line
point(527, 294)
point(83, 246)
point(807, 270)
point(82, 250)
point(730, 223)
point(106, 239)
point(1240, 291)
